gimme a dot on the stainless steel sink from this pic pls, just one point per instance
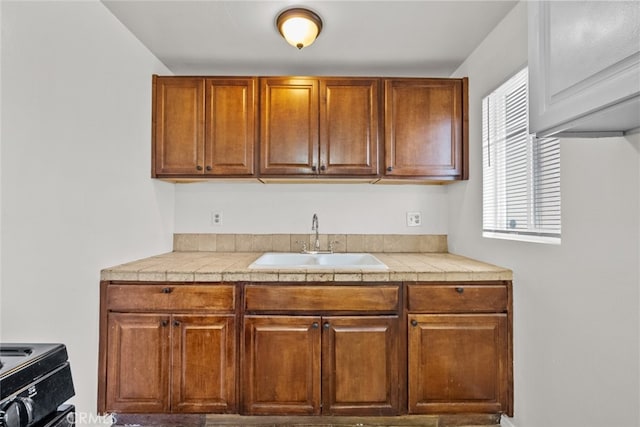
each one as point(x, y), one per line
point(341, 261)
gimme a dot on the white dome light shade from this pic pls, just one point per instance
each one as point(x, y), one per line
point(299, 27)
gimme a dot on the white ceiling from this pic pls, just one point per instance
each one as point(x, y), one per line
point(375, 38)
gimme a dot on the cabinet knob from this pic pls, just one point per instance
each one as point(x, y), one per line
point(314, 168)
point(164, 323)
point(459, 290)
point(176, 323)
point(199, 167)
point(315, 325)
point(414, 322)
point(326, 325)
point(167, 290)
point(323, 168)
point(389, 168)
point(209, 168)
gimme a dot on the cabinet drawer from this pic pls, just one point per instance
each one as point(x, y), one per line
point(321, 298)
point(457, 298)
point(171, 297)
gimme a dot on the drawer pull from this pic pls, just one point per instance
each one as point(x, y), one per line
point(176, 323)
point(459, 290)
point(414, 322)
point(164, 323)
point(315, 325)
point(326, 325)
point(166, 290)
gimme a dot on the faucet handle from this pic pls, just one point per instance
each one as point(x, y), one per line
point(304, 245)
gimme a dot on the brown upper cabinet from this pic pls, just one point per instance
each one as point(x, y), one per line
point(426, 128)
point(203, 126)
point(326, 126)
point(310, 127)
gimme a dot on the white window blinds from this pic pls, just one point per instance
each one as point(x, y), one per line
point(521, 174)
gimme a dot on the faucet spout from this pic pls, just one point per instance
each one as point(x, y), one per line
point(315, 227)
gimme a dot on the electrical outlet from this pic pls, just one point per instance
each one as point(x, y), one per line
point(216, 218)
point(414, 219)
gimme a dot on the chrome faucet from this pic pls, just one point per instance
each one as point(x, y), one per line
point(315, 227)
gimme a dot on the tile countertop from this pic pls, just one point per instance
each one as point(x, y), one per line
point(234, 267)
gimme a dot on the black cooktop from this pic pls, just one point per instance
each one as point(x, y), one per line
point(21, 364)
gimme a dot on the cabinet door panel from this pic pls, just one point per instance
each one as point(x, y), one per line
point(138, 363)
point(281, 365)
point(230, 126)
point(583, 74)
point(360, 365)
point(349, 127)
point(457, 363)
point(179, 126)
point(423, 127)
point(289, 126)
point(203, 372)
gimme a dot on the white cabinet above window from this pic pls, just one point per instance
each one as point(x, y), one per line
point(584, 67)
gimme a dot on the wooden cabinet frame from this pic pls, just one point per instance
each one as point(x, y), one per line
point(312, 365)
point(460, 347)
point(353, 343)
point(460, 326)
point(204, 127)
point(168, 348)
point(319, 126)
point(354, 128)
point(426, 128)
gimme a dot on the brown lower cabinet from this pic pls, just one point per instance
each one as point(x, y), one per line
point(171, 363)
point(459, 348)
point(312, 365)
point(306, 348)
point(168, 348)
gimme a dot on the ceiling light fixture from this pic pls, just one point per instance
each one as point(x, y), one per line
point(299, 27)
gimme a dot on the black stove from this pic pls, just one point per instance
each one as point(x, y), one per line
point(35, 380)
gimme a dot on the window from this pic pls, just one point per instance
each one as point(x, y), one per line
point(521, 173)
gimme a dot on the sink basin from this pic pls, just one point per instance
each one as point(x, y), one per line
point(342, 261)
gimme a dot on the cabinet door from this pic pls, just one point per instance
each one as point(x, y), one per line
point(230, 126)
point(349, 126)
point(178, 126)
point(360, 365)
point(584, 66)
point(203, 366)
point(458, 363)
point(281, 365)
point(289, 126)
point(137, 363)
point(424, 128)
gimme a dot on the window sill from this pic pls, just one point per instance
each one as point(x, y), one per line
point(522, 237)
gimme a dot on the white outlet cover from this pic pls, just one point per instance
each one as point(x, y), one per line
point(216, 218)
point(414, 219)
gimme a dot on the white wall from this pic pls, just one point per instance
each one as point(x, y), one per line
point(288, 208)
point(575, 305)
point(76, 189)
